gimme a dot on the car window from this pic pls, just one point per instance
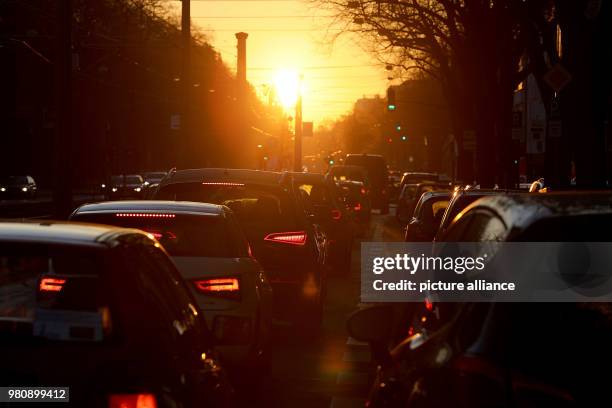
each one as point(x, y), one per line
point(485, 227)
point(133, 180)
point(257, 207)
point(575, 228)
point(181, 235)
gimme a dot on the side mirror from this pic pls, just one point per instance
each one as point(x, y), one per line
point(372, 324)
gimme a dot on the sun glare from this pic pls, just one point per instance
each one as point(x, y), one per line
point(286, 86)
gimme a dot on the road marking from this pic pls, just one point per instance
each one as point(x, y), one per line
point(357, 356)
point(338, 402)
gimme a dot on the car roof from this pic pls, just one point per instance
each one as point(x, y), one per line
point(61, 232)
point(346, 167)
point(153, 206)
point(522, 210)
point(223, 175)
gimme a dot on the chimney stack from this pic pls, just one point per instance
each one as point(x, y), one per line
point(241, 69)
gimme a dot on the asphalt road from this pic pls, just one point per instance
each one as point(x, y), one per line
point(333, 371)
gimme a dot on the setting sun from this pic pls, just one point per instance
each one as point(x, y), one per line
point(286, 87)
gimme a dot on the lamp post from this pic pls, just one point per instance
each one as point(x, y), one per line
point(297, 160)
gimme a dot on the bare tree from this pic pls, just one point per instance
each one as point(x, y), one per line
point(473, 47)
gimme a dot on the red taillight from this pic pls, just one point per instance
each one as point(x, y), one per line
point(222, 183)
point(132, 401)
point(357, 207)
point(293, 238)
point(363, 191)
point(224, 287)
point(428, 305)
point(145, 215)
point(336, 214)
point(51, 284)
point(218, 285)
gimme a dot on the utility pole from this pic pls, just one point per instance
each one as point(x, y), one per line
point(297, 160)
point(185, 147)
point(62, 191)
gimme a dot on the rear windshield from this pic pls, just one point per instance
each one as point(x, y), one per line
point(341, 174)
point(183, 235)
point(22, 266)
point(375, 167)
point(257, 207)
point(432, 209)
point(458, 206)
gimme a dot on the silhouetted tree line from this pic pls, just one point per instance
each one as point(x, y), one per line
point(126, 90)
point(480, 51)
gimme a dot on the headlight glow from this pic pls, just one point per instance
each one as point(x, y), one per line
point(2, 189)
point(137, 189)
point(24, 189)
point(103, 186)
point(114, 189)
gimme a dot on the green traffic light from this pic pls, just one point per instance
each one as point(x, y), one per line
point(398, 127)
point(331, 162)
point(391, 107)
point(404, 138)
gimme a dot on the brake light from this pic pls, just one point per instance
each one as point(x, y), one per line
point(357, 207)
point(363, 191)
point(223, 287)
point(51, 284)
point(222, 183)
point(336, 214)
point(144, 215)
point(132, 401)
point(428, 305)
point(292, 238)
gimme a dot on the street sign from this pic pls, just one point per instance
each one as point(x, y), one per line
point(307, 129)
point(557, 77)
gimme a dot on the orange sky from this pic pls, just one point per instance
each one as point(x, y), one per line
point(290, 34)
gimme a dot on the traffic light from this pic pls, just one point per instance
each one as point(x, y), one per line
point(389, 140)
point(404, 138)
point(398, 127)
point(391, 99)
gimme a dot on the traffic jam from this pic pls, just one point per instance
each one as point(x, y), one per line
point(168, 293)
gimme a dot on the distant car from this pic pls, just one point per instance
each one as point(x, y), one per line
point(416, 177)
point(323, 202)
point(348, 173)
point(17, 187)
point(409, 197)
point(376, 169)
point(395, 178)
point(427, 216)
point(102, 310)
point(291, 248)
point(357, 201)
point(153, 177)
point(126, 186)
point(213, 257)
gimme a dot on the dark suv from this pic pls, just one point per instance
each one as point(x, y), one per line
point(378, 176)
point(290, 246)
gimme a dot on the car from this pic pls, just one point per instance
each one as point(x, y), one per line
point(214, 259)
point(323, 202)
point(291, 247)
point(102, 310)
point(427, 216)
point(409, 197)
point(501, 354)
point(416, 177)
point(462, 198)
point(376, 169)
point(153, 177)
point(126, 186)
point(348, 173)
point(357, 202)
point(395, 177)
point(18, 187)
